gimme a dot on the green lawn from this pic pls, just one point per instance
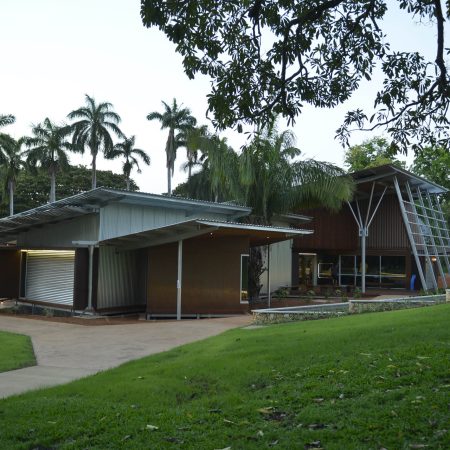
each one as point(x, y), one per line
point(16, 351)
point(370, 381)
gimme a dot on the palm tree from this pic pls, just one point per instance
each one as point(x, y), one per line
point(175, 118)
point(7, 119)
point(194, 139)
point(11, 155)
point(273, 179)
point(127, 151)
point(48, 148)
point(93, 130)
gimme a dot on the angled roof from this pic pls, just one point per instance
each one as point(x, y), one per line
point(89, 202)
point(258, 234)
point(387, 172)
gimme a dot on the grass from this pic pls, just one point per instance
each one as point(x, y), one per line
point(370, 381)
point(16, 351)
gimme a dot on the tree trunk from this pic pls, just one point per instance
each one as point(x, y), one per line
point(255, 270)
point(128, 183)
point(11, 197)
point(94, 171)
point(189, 170)
point(169, 181)
point(52, 186)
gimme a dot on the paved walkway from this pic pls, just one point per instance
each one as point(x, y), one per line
point(66, 352)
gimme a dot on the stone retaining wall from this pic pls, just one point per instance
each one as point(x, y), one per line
point(362, 306)
point(281, 315)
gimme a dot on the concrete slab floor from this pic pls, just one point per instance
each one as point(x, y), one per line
point(66, 352)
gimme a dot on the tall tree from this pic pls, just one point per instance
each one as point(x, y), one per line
point(272, 56)
point(32, 187)
point(48, 149)
point(371, 153)
point(194, 139)
point(275, 180)
point(433, 163)
point(129, 153)
point(92, 128)
point(11, 161)
point(175, 118)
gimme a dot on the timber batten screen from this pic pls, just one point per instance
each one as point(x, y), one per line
point(50, 276)
point(428, 233)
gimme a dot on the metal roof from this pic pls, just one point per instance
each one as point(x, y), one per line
point(89, 202)
point(258, 234)
point(388, 172)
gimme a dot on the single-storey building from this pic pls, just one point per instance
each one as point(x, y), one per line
point(110, 251)
point(392, 235)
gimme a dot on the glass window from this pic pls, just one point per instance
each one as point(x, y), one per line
point(393, 271)
point(244, 278)
point(348, 265)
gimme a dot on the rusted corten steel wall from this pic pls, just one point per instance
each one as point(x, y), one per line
point(211, 276)
point(332, 231)
point(9, 273)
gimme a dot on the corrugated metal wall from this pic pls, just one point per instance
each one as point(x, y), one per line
point(50, 276)
point(60, 235)
point(120, 219)
point(119, 279)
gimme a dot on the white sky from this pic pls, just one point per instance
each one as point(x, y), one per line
point(55, 51)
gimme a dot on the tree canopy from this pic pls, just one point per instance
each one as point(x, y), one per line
point(276, 56)
point(32, 189)
point(371, 153)
point(433, 163)
point(92, 128)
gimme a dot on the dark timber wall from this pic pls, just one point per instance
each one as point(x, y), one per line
point(338, 232)
point(211, 276)
point(332, 231)
point(9, 273)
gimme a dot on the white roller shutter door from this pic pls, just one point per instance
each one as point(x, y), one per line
point(50, 276)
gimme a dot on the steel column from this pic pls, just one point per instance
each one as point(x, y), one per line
point(268, 275)
point(179, 277)
point(90, 276)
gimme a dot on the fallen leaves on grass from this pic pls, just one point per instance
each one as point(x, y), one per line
point(151, 427)
point(313, 444)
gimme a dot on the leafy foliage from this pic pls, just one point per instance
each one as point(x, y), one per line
point(267, 175)
point(272, 56)
point(6, 119)
point(175, 118)
point(48, 148)
point(127, 151)
point(433, 163)
point(32, 188)
point(371, 153)
point(11, 161)
point(92, 128)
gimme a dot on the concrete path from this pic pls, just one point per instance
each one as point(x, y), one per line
point(66, 352)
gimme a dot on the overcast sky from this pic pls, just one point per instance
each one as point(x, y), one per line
point(55, 51)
